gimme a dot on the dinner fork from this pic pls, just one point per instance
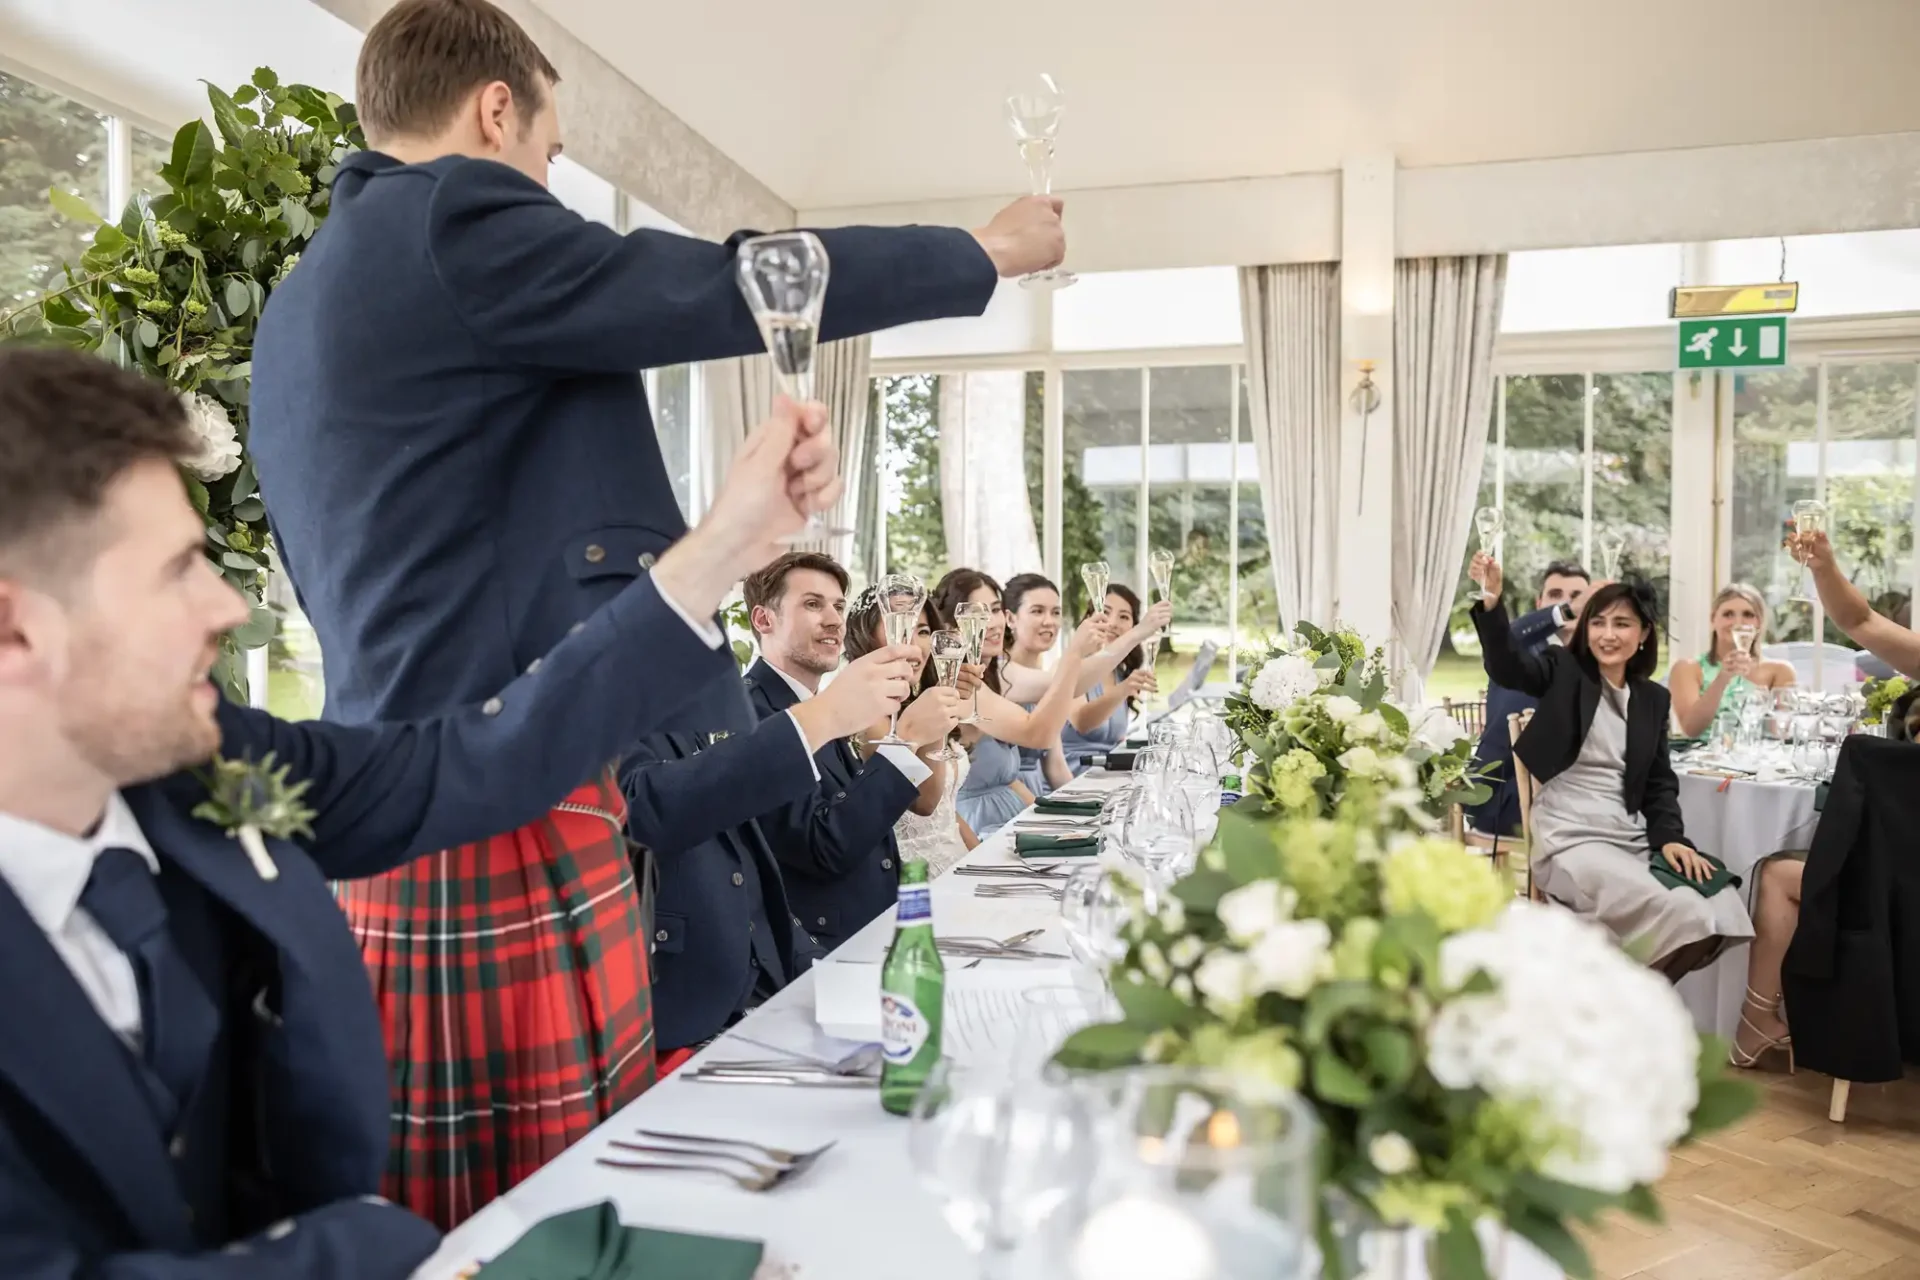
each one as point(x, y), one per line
point(746, 1182)
point(776, 1154)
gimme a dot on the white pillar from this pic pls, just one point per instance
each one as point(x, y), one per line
point(1698, 531)
point(1363, 550)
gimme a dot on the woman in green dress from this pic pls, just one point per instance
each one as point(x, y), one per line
point(1700, 685)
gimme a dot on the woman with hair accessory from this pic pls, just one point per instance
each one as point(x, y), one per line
point(1732, 664)
point(991, 794)
point(1099, 724)
point(1608, 838)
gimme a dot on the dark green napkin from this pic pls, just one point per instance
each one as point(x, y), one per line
point(1820, 794)
point(1719, 880)
point(591, 1244)
point(1054, 804)
point(1030, 844)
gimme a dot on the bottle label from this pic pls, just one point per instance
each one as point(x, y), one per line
point(916, 906)
point(903, 1028)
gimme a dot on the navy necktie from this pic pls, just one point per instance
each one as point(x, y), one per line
point(178, 1021)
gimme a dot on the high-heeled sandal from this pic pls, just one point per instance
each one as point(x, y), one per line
point(1768, 1044)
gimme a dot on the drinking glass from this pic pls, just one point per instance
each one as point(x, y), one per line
point(1202, 1174)
point(1808, 517)
point(1004, 1151)
point(1150, 655)
point(784, 278)
point(1159, 833)
point(1213, 731)
point(1610, 544)
point(1049, 1015)
point(1490, 523)
point(901, 597)
point(1743, 638)
point(1034, 115)
point(1092, 915)
point(1160, 566)
point(949, 651)
point(974, 619)
point(1095, 575)
point(1780, 716)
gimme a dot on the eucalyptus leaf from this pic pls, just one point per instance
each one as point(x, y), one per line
point(1202, 890)
point(1103, 1047)
point(1561, 1199)
point(251, 510)
point(239, 560)
point(1149, 1007)
point(1721, 1103)
point(1643, 1204)
point(1335, 1080)
point(1391, 1055)
point(237, 297)
point(146, 334)
point(1331, 1001)
point(1551, 1237)
point(1456, 1251)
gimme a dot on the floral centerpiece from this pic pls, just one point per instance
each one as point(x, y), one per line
point(1470, 1057)
point(1314, 715)
point(175, 287)
point(1881, 695)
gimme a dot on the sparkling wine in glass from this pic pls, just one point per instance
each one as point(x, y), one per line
point(1095, 575)
point(1809, 517)
point(901, 597)
point(784, 279)
point(949, 651)
point(1160, 566)
point(1610, 545)
point(1743, 638)
point(1150, 653)
point(1489, 523)
point(974, 620)
point(1034, 116)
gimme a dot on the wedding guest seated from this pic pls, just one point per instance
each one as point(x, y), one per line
point(1556, 605)
point(1776, 914)
point(1728, 671)
point(1609, 802)
point(931, 829)
point(725, 934)
point(1099, 724)
point(1033, 624)
point(192, 1080)
point(836, 844)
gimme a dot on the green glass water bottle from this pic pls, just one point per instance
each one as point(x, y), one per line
point(913, 993)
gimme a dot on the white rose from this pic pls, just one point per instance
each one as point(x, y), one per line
point(1293, 958)
point(1391, 1154)
point(218, 451)
point(1154, 962)
point(1185, 951)
point(1225, 978)
point(1368, 728)
point(1253, 909)
point(1360, 761)
point(1438, 731)
point(1173, 916)
point(1342, 709)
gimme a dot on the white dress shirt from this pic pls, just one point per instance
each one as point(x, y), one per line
point(47, 870)
point(910, 765)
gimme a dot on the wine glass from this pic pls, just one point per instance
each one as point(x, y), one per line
point(1610, 544)
point(1743, 637)
point(1003, 1150)
point(974, 619)
point(901, 597)
point(1095, 575)
point(949, 651)
point(1490, 523)
point(1160, 566)
point(1051, 1014)
point(784, 278)
point(1150, 653)
point(1092, 915)
point(1034, 116)
point(1159, 833)
point(1809, 516)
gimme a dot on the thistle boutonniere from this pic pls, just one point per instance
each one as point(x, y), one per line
point(251, 800)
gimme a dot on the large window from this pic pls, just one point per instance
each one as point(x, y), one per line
point(46, 141)
point(670, 394)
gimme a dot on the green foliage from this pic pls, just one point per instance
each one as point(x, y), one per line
point(175, 287)
point(1881, 695)
point(46, 141)
point(916, 529)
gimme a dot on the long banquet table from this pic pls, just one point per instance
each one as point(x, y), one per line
point(859, 1214)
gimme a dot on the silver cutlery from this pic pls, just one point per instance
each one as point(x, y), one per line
point(760, 1177)
point(746, 1182)
point(778, 1155)
point(861, 1061)
point(792, 1056)
point(786, 1079)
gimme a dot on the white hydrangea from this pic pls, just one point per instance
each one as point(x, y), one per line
point(1602, 1046)
point(218, 452)
point(1438, 731)
point(1252, 909)
point(1293, 958)
point(1225, 978)
point(1341, 709)
point(1370, 727)
point(1282, 682)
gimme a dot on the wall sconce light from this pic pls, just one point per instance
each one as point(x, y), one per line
point(1364, 399)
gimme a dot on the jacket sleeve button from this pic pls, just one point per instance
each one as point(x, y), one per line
point(595, 553)
point(492, 707)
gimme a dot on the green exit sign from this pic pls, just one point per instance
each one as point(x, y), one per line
point(1727, 342)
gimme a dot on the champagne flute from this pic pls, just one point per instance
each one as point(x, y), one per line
point(975, 619)
point(1034, 116)
point(1095, 575)
point(1809, 517)
point(1610, 545)
point(1150, 653)
point(784, 279)
point(1160, 566)
point(1743, 638)
point(949, 651)
point(1489, 523)
point(901, 596)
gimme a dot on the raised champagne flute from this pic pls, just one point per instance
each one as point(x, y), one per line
point(949, 651)
point(1034, 116)
point(1160, 566)
point(1095, 575)
point(1610, 545)
point(1489, 524)
point(1809, 517)
point(1150, 653)
point(784, 279)
point(1743, 638)
point(901, 597)
point(975, 619)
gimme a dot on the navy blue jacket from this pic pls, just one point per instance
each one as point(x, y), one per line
point(836, 843)
point(723, 925)
point(1500, 813)
point(88, 1186)
point(452, 437)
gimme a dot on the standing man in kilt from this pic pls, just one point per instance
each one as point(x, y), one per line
point(455, 451)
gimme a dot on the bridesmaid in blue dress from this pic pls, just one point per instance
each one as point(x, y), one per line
point(1099, 724)
point(1033, 623)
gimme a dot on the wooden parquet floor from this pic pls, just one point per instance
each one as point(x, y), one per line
point(1786, 1194)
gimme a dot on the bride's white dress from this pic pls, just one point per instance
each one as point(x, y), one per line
point(936, 837)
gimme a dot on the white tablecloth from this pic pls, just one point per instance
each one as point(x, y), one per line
point(1740, 822)
point(859, 1214)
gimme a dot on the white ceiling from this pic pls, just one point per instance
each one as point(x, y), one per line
point(848, 102)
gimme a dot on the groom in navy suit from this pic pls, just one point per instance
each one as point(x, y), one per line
point(192, 1082)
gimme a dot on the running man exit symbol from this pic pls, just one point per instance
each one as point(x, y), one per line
point(1727, 342)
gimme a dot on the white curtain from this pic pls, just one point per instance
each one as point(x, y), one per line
point(739, 395)
point(1446, 315)
point(1291, 315)
point(986, 516)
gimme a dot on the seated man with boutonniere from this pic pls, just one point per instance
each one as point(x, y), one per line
point(192, 1079)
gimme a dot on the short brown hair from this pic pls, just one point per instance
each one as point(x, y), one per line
point(71, 424)
point(425, 56)
point(768, 585)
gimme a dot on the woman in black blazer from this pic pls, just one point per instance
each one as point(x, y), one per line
point(1608, 801)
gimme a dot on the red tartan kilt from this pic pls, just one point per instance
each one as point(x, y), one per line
point(514, 988)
